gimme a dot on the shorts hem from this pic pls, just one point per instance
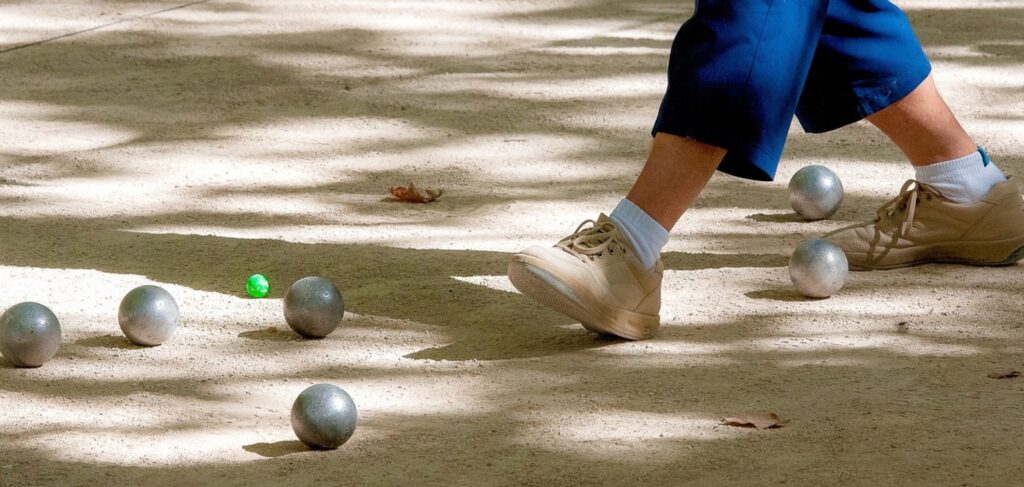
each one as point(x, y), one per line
point(865, 102)
point(752, 162)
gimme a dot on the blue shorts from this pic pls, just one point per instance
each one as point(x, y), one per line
point(740, 69)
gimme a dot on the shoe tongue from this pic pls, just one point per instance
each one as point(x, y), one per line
point(926, 188)
point(607, 220)
point(603, 220)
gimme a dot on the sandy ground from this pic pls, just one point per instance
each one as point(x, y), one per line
point(195, 146)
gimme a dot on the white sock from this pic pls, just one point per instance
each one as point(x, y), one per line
point(964, 180)
point(645, 235)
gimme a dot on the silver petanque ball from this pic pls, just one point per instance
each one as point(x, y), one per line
point(324, 416)
point(148, 315)
point(815, 192)
point(313, 307)
point(29, 334)
point(818, 268)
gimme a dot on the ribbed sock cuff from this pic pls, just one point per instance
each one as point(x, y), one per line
point(961, 168)
point(646, 235)
point(964, 180)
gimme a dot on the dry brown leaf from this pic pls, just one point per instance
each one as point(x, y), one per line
point(1004, 374)
point(756, 420)
point(411, 194)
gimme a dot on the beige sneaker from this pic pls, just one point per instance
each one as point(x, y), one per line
point(920, 226)
point(593, 276)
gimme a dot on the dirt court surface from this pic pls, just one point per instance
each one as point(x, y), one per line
point(197, 145)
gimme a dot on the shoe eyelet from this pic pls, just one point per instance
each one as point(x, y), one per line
point(611, 251)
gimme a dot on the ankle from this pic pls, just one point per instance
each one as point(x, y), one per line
point(645, 235)
point(964, 180)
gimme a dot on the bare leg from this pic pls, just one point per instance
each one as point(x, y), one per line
point(923, 127)
point(676, 171)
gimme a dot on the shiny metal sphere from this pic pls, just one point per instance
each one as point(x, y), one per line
point(818, 268)
point(313, 307)
point(324, 416)
point(815, 192)
point(148, 315)
point(29, 334)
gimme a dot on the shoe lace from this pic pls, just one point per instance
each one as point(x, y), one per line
point(593, 240)
point(906, 200)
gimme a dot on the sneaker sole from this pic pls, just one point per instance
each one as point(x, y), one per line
point(951, 250)
point(546, 289)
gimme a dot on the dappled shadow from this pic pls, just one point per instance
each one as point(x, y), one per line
point(434, 100)
point(549, 403)
point(668, 408)
point(406, 284)
point(974, 26)
point(623, 412)
point(12, 182)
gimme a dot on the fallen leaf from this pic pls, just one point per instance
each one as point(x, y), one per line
point(411, 194)
point(756, 420)
point(1004, 374)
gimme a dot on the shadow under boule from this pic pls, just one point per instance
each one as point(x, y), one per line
point(277, 448)
point(787, 295)
point(109, 341)
point(271, 335)
point(776, 218)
